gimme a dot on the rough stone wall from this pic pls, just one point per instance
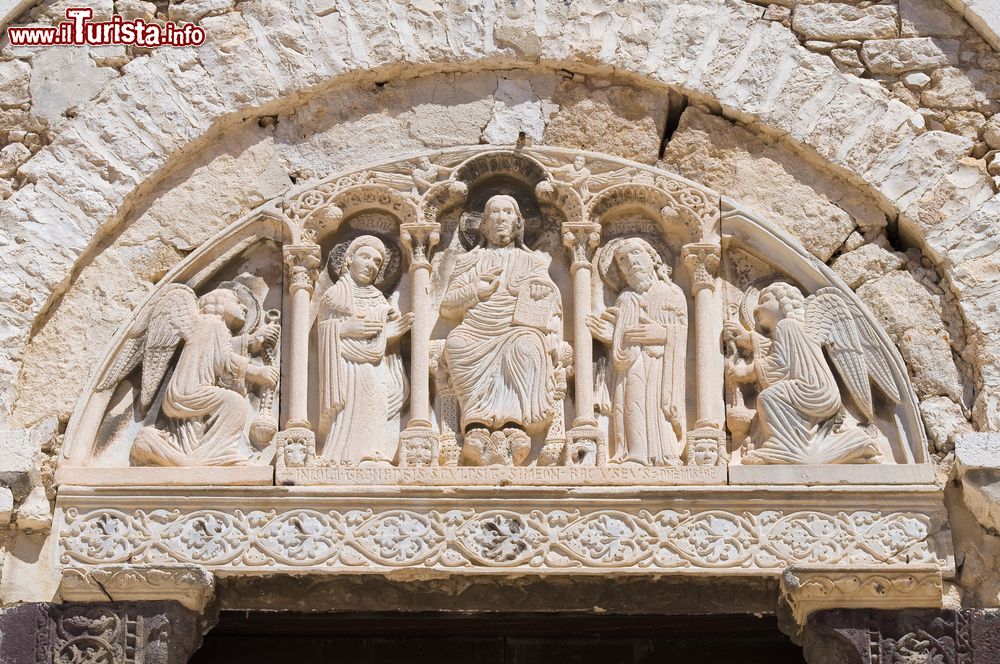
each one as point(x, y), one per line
point(119, 162)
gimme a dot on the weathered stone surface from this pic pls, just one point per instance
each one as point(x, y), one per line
point(991, 132)
point(35, 512)
point(837, 21)
point(737, 163)
point(62, 78)
point(847, 60)
point(978, 462)
point(898, 56)
point(917, 80)
point(868, 262)
point(951, 88)
point(15, 79)
point(608, 118)
point(929, 358)
point(901, 304)
point(519, 112)
point(944, 420)
point(12, 156)
point(21, 456)
point(195, 10)
point(929, 17)
point(6, 505)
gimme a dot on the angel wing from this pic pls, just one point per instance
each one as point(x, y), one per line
point(153, 340)
point(171, 319)
point(852, 345)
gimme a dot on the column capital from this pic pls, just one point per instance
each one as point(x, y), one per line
point(702, 260)
point(303, 261)
point(582, 239)
point(420, 238)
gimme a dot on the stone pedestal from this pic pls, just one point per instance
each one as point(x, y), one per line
point(115, 633)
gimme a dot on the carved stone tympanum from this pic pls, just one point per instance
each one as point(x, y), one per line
point(527, 360)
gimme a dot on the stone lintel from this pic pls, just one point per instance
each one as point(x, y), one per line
point(811, 588)
point(920, 473)
point(152, 476)
point(191, 586)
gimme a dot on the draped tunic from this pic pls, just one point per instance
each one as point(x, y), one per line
point(501, 372)
point(362, 384)
point(647, 418)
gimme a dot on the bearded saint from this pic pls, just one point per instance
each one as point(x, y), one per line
point(646, 330)
point(362, 382)
point(502, 367)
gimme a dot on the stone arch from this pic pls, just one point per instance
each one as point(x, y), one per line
point(245, 69)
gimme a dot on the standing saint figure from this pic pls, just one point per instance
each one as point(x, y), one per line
point(646, 331)
point(502, 353)
point(362, 383)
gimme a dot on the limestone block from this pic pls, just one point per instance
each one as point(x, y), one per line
point(6, 505)
point(765, 175)
point(991, 132)
point(917, 80)
point(615, 119)
point(897, 56)
point(943, 420)
point(35, 512)
point(868, 262)
point(952, 88)
point(62, 78)
point(56, 10)
point(11, 157)
point(836, 22)
point(21, 456)
point(929, 17)
point(901, 304)
point(977, 457)
point(517, 111)
point(932, 367)
point(848, 61)
point(15, 79)
point(133, 9)
point(195, 10)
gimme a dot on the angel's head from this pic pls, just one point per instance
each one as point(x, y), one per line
point(503, 223)
point(778, 301)
point(638, 263)
point(223, 303)
point(365, 259)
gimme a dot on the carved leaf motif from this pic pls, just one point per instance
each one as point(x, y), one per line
point(207, 537)
point(103, 537)
point(504, 538)
point(898, 537)
point(611, 538)
point(717, 539)
point(811, 538)
point(304, 536)
point(398, 538)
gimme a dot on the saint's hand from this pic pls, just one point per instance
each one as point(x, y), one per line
point(601, 328)
point(400, 326)
point(270, 333)
point(540, 291)
point(646, 334)
point(488, 283)
point(358, 328)
point(262, 374)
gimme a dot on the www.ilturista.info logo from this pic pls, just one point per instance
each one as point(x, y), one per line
point(79, 30)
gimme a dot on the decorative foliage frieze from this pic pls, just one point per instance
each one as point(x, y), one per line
point(764, 541)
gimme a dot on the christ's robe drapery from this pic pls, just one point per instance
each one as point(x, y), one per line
point(362, 386)
point(647, 418)
point(501, 373)
point(200, 387)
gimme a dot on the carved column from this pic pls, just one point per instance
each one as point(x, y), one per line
point(702, 261)
point(108, 633)
point(582, 238)
point(302, 261)
point(418, 441)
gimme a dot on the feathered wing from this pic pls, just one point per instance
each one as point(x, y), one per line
point(172, 317)
point(127, 360)
point(830, 322)
point(875, 354)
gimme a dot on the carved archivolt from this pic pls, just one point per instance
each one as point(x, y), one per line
point(523, 311)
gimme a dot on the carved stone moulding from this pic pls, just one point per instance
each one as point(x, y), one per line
point(190, 585)
point(811, 588)
point(494, 530)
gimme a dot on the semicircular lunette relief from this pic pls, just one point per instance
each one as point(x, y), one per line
point(483, 316)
